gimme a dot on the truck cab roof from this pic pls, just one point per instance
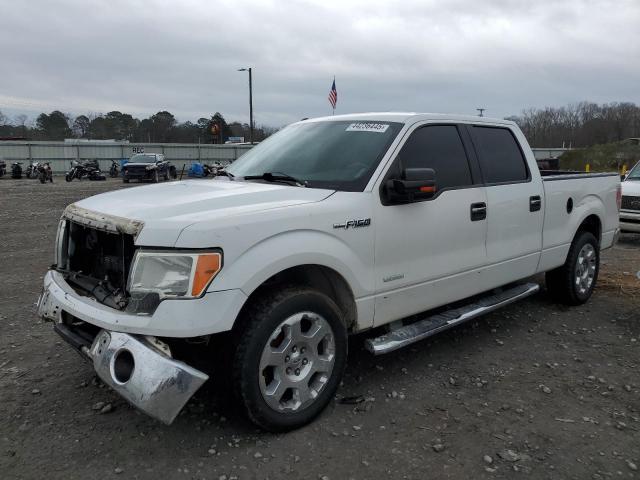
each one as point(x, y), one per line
point(411, 117)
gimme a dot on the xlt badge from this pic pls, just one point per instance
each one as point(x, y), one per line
point(361, 222)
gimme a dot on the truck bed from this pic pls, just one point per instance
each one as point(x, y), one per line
point(567, 204)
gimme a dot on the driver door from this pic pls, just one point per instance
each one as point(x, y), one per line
point(431, 252)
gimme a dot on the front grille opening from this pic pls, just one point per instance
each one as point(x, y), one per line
point(98, 262)
point(630, 203)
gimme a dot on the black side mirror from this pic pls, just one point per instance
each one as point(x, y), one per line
point(416, 184)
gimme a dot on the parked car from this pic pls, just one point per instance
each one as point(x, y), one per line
point(630, 209)
point(148, 166)
point(330, 227)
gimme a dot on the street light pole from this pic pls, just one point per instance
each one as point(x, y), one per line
point(250, 103)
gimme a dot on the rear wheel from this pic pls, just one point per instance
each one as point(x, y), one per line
point(291, 350)
point(573, 283)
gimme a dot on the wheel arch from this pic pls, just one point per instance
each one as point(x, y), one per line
point(592, 224)
point(320, 277)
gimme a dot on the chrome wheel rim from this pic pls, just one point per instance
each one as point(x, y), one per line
point(585, 269)
point(297, 362)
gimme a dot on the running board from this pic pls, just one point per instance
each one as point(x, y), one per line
point(428, 326)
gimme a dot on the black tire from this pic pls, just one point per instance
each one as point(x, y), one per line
point(125, 180)
point(562, 282)
point(42, 177)
point(155, 178)
point(166, 175)
point(256, 325)
point(68, 177)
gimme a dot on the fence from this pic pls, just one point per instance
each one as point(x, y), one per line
point(60, 154)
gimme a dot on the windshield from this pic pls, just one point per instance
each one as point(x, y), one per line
point(143, 159)
point(634, 174)
point(340, 155)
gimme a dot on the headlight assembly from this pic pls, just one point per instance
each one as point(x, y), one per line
point(173, 274)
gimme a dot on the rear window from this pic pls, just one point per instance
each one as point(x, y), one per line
point(501, 159)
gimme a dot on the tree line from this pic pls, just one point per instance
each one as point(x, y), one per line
point(579, 125)
point(159, 128)
point(576, 125)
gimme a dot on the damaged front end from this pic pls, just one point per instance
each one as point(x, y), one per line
point(85, 294)
point(94, 254)
point(140, 369)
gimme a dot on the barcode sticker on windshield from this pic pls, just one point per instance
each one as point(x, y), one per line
point(368, 127)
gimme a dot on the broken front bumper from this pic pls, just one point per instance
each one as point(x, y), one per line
point(150, 380)
point(142, 373)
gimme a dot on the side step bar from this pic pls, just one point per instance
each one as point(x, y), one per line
point(433, 324)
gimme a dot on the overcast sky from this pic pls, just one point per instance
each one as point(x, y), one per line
point(412, 55)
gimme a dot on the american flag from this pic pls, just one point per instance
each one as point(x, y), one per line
point(333, 95)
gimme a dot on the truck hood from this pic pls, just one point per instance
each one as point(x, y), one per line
point(631, 188)
point(164, 210)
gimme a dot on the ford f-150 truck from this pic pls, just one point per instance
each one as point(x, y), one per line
point(330, 227)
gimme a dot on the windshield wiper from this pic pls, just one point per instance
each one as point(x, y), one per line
point(277, 177)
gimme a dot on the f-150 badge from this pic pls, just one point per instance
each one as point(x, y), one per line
point(361, 222)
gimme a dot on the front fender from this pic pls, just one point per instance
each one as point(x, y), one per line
point(294, 248)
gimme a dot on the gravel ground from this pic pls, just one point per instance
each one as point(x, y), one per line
point(535, 389)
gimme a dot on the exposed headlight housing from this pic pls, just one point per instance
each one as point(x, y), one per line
point(173, 274)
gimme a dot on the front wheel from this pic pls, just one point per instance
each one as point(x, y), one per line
point(69, 176)
point(573, 282)
point(42, 177)
point(291, 351)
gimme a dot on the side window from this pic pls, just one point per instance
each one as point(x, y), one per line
point(438, 147)
point(500, 157)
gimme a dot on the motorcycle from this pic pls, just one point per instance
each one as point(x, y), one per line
point(211, 169)
point(44, 172)
point(3, 168)
point(16, 170)
point(32, 170)
point(89, 169)
point(114, 171)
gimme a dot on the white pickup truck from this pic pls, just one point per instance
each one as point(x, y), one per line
point(630, 208)
point(332, 226)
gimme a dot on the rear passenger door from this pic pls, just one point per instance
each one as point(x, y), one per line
point(515, 211)
point(430, 252)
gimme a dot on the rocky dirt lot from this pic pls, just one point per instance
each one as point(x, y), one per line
point(536, 390)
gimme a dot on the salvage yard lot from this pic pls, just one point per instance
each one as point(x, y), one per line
point(535, 390)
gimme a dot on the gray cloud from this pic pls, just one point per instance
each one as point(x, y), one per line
point(454, 56)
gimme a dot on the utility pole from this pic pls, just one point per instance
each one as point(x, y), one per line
point(250, 103)
point(481, 111)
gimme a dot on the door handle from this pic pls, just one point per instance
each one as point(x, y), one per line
point(478, 211)
point(535, 202)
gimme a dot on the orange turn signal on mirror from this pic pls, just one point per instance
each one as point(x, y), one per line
point(207, 267)
point(430, 189)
